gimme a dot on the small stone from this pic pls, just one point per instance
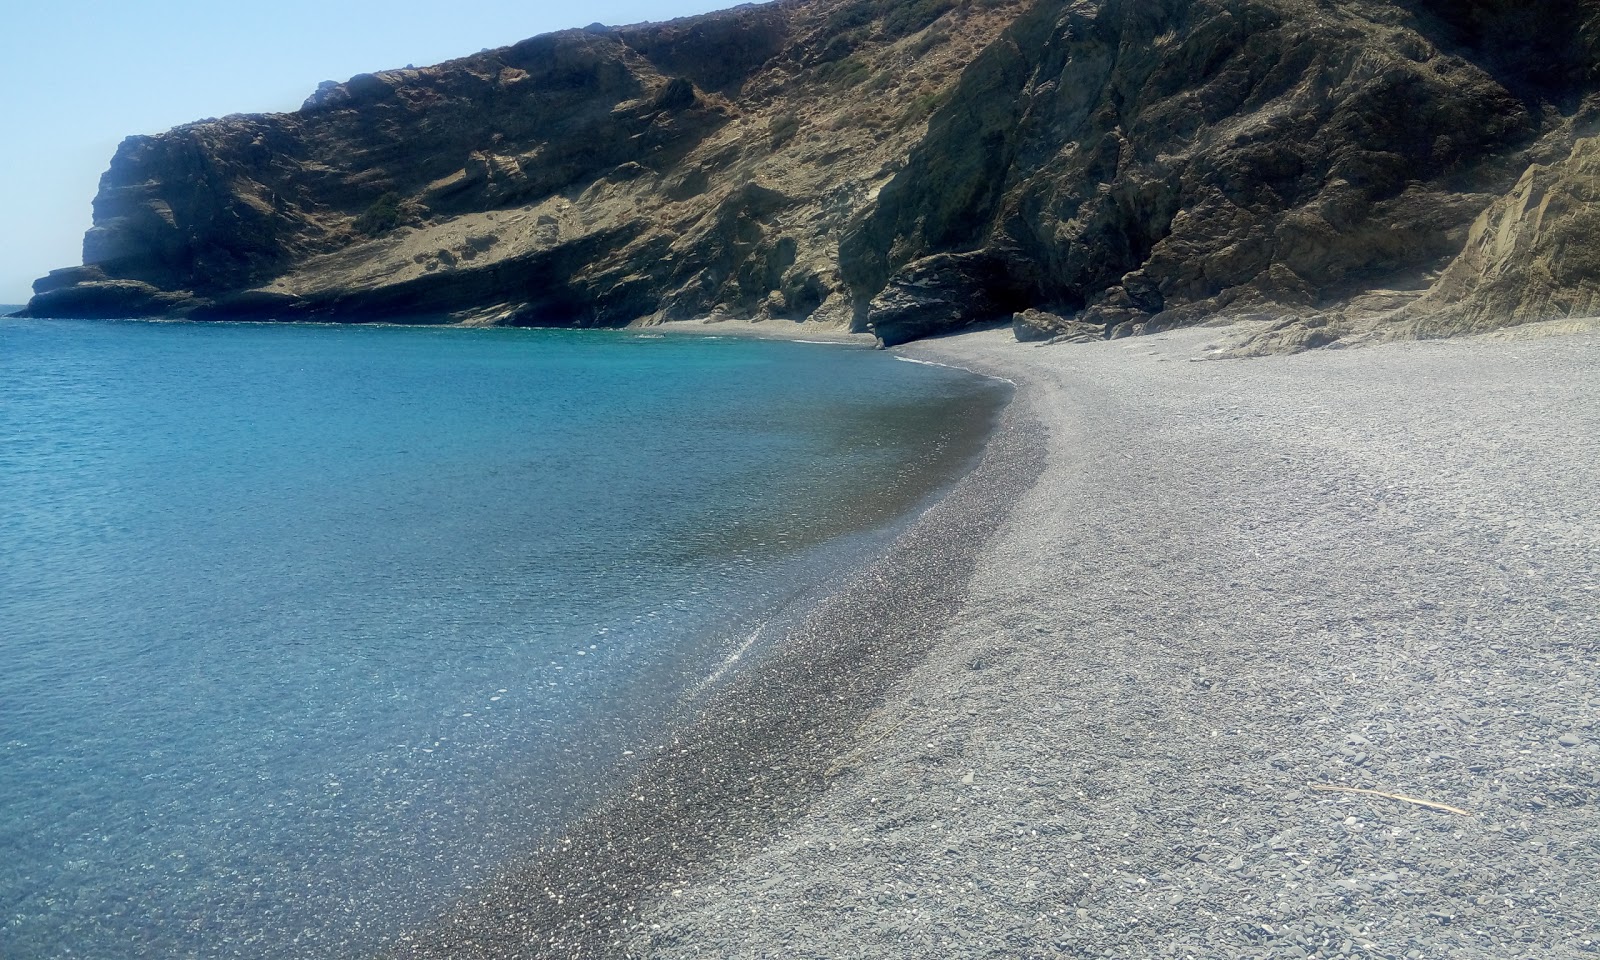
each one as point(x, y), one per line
point(1235, 865)
point(1570, 740)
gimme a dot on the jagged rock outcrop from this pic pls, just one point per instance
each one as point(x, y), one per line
point(1148, 164)
point(1533, 255)
point(905, 168)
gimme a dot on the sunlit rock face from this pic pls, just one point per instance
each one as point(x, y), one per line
point(903, 168)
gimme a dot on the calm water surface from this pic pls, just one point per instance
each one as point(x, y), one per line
point(306, 629)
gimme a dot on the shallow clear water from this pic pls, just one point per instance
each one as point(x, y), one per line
point(305, 629)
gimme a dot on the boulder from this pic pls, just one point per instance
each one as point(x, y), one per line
point(1033, 326)
point(940, 294)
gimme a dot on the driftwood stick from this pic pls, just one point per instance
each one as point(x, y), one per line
point(1393, 796)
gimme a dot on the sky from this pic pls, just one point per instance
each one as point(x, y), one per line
point(77, 76)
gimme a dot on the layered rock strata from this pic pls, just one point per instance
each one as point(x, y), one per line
point(906, 169)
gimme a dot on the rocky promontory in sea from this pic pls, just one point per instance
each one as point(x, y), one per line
point(1346, 168)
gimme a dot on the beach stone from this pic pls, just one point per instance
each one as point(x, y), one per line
point(1570, 740)
point(1031, 326)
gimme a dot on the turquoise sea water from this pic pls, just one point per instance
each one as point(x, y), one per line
point(306, 629)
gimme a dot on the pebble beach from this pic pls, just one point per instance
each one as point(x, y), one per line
point(1289, 657)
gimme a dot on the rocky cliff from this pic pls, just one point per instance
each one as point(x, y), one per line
point(1112, 166)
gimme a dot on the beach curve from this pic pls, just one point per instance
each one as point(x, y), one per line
point(1121, 665)
point(1234, 586)
point(770, 737)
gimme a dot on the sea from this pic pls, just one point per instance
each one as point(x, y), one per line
point(307, 630)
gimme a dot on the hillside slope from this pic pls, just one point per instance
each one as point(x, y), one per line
point(1124, 166)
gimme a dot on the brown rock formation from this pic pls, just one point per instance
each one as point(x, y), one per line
point(1534, 254)
point(907, 168)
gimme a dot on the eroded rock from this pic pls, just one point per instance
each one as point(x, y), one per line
point(1533, 255)
point(939, 294)
point(1033, 326)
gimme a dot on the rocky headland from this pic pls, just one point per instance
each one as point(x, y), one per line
point(1343, 168)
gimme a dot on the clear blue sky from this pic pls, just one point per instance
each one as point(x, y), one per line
point(76, 76)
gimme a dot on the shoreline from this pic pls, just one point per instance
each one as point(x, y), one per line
point(769, 737)
point(1190, 595)
point(804, 332)
point(1232, 584)
point(923, 729)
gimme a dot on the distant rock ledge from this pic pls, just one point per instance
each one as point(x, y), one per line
point(1341, 167)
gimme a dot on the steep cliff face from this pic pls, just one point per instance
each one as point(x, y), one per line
point(905, 168)
point(1144, 164)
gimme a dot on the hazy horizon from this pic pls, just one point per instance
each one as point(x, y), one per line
point(84, 77)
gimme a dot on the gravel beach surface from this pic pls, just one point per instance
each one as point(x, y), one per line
point(1234, 583)
point(1093, 702)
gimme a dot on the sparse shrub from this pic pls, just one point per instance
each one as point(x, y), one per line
point(908, 18)
point(859, 14)
point(933, 38)
point(844, 73)
point(921, 108)
point(843, 44)
point(783, 128)
point(381, 217)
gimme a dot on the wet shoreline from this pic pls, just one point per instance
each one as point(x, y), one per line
point(767, 740)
